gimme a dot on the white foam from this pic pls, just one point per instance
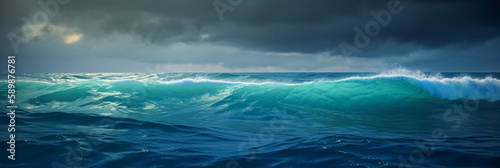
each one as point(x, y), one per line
point(486, 88)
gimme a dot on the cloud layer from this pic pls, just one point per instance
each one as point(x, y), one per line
point(257, 35)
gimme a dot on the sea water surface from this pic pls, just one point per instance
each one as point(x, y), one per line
point(398, 118)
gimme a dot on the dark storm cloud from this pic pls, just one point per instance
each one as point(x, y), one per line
point(298, 26)
point(280, 25)
point(438, 23)
point(274, 26)
point(322, 25)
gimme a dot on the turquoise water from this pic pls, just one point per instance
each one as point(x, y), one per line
point(388, 119)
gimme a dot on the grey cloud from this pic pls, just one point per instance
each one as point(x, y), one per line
point(308, 27)
point(285, 25)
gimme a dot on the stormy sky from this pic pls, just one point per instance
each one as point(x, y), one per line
point(161, 36)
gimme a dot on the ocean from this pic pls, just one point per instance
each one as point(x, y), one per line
point(398, 118)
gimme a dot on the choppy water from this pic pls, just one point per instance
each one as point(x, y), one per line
point(397, 118)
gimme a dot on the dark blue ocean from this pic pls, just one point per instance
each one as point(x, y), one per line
point(398, 118)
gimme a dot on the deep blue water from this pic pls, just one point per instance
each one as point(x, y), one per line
point(393, 119)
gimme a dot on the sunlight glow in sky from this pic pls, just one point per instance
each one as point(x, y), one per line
point(72, 38)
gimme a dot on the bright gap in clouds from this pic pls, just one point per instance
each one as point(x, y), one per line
point(72, 38)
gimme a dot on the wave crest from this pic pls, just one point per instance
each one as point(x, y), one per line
point(184, 92)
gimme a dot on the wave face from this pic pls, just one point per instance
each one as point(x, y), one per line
point(258, 119)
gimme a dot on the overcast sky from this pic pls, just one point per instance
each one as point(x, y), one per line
point(162, 36)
